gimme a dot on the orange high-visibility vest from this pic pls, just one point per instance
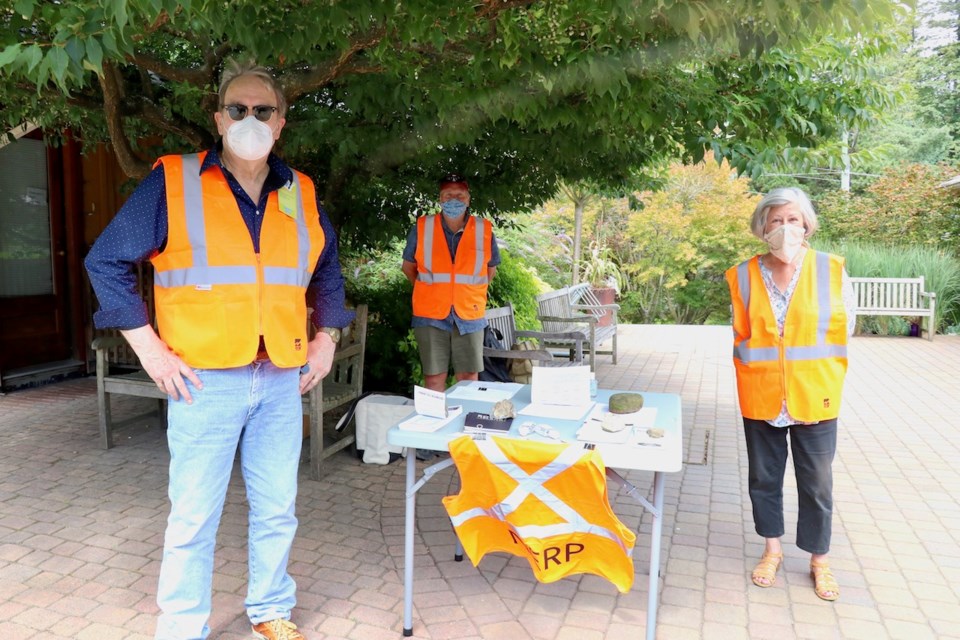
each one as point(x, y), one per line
point(807, 366)
point(214, 296)
point(541, 501)
point(443, 283)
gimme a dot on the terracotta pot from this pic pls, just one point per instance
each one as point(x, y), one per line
point(606, 295)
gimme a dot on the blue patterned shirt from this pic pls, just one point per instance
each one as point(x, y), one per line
point(452, 320)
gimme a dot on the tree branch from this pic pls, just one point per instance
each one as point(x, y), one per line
point(196, 77)
point(493, 8)
point(295, 85)
point(112, 86)
point(198, 137)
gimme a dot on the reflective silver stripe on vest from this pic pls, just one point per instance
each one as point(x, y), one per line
point(533, 484)
point(480, 265)
point(201, 273)
point(745, 354)
point(429, 276)
point(299, 276)
point(743, 282)
point(193, 209)
point(823, 296)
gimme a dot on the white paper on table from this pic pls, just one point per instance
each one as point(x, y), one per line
point(560, 385)
point(593, 432)
point(428, 424)
point(428, 402)
point(485, 391)
point(634, 431)
point(556, 411)
point(647, 420)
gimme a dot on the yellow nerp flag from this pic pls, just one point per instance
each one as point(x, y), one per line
point(541, 501)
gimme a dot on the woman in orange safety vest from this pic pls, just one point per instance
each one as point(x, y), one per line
point(793, 311)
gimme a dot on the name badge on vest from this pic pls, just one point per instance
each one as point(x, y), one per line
point(287, 198)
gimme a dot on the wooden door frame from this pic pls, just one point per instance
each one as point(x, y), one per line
point(80, 317)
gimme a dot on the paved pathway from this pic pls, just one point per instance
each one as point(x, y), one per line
point(81, 528)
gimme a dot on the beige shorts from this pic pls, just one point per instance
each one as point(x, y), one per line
point(439, 347)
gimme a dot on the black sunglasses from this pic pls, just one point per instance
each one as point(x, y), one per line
point(261, 112)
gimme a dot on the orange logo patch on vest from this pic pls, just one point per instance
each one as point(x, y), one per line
point(826, 403)
point(297, 346)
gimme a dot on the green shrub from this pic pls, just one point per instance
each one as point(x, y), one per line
point(392, 362)
point(904, 205)
point(518, 284)
point(374, 278)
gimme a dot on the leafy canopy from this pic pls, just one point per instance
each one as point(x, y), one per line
point(517, 95)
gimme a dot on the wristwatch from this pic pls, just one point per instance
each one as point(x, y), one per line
point(333, 332)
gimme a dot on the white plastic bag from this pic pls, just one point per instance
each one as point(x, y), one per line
point(375, 414)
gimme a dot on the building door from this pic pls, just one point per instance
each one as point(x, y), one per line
point(35, 328)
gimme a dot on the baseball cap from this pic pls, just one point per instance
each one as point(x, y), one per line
point(453, 178)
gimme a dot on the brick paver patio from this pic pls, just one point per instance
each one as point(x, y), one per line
point(81, 528)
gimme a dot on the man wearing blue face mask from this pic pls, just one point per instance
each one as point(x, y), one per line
point(450, 259)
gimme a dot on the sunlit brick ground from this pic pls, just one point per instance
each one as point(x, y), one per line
point(81, 528)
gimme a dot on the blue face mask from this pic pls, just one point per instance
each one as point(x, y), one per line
point(453, 208)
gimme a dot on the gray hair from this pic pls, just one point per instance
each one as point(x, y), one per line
point(782, 196)
point(233, 70)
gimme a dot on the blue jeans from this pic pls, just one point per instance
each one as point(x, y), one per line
point(256, 409)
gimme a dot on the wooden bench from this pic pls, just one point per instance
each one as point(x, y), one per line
point(896, 297)
point(119, 373)
point(576, 308)
point(502, 319)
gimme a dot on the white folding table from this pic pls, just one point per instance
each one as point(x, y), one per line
point(665, 458)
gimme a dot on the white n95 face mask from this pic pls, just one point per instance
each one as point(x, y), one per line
point(250, 139)
point(785, 241)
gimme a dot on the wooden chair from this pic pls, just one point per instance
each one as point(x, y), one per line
point(118, 369)
point(119, 373)
point(502, 319)
point(576, 308)
point(342, 385)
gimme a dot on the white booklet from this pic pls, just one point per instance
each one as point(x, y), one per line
point(429, 424)
point(562, 386)
point(428, 402)
point(485, 391)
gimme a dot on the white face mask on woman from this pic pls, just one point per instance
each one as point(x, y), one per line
point(250, 139)
point(785, 241)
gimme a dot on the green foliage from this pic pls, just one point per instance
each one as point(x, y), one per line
point(937, 96)
point(517, 96)
point(682, 241)
point(941, 272)
point(374, 278)
point(518, 284)
point(599, 267)
point(540, 244)
point(905, 205)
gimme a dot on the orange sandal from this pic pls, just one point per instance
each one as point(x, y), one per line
point(824, 584)
point(766, 570)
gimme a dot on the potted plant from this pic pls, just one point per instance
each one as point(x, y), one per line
point(601, 270)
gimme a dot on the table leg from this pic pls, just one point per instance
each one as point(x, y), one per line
point(409, 521)
point(656, 533)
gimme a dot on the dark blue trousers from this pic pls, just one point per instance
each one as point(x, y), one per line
point(813, 448)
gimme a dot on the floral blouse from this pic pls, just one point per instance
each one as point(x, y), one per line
point(780, 300)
